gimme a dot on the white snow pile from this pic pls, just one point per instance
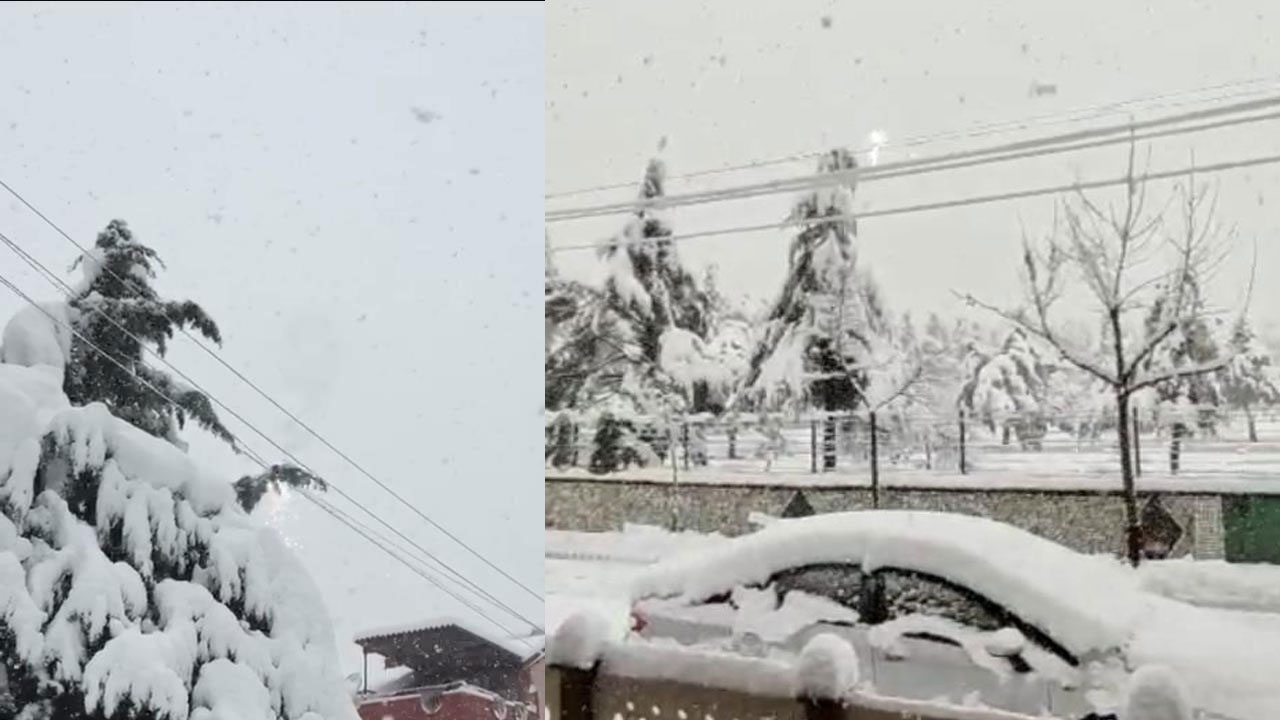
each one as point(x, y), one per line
point(132, 578)
point(580, 640)
point(1214, 583)
point(1155, 693)
point(827, 668)
point(37, 335)
point(1085, 602)
point(636, 542)
point(689, 360)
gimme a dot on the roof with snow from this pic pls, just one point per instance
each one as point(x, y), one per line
point(449, 644)
point(1083, 602)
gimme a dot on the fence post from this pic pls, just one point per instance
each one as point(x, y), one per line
point(1137, 445)
point(684, 442)
point(732, 431)
point(875, 463)
point(577, 447)
point(964, 470)
point(813, 446)
point(576, 689)
point(675, 480)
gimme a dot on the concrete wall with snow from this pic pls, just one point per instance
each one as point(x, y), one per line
point(1085, 521)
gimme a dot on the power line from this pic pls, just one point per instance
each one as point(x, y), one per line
point(382, 543)
point(458, 577)
point(369, 534)
point(391, 548)
point(1069, 116)
point(999, 153)
point(314, 433)
point(923, 207)
point(18, 291)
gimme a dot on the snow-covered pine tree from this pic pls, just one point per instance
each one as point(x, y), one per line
point(1251, 380)
point(117, 285)
point(105, 363)
point(823, 313)
point(1007, 390)
point(637, 348)
point(666, 314)
point(133, 586)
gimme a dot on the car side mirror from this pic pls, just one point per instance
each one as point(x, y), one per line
point(1006, 643)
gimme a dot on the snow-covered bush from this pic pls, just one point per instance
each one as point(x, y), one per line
point(579, 640)
point(618, 446)
point(1155, 693)
point(827, 668)
point(133, 585)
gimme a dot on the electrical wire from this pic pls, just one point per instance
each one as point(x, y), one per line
point(1002, 127)
point(314, 433)
point(999, 153)
point(49, 275)
point(924, 207)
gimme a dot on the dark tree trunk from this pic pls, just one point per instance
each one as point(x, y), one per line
point(1175, 446)
point(875, 464)
point(1004, 435)
point(1253, 425)
point(1133, 531)
point(1133, 527)
point(829, 443)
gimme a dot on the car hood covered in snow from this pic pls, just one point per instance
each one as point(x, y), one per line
point(1087, 603)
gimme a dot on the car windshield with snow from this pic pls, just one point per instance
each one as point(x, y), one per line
point(941, 606)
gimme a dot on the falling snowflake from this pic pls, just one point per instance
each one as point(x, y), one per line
point(424, 115)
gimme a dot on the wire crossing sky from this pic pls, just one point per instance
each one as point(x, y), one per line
point(318, 182)
point(795, 78)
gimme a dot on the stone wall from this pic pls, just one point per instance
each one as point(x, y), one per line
point(1086, 521)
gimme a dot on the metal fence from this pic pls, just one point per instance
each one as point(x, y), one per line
point(1235, 445)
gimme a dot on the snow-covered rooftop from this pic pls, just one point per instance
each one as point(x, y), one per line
point(1084, 602)
point(523, 647)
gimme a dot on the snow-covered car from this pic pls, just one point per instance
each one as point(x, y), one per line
point(940, 605)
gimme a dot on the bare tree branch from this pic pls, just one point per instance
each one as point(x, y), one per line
point(906, 385)
point(1044, 334)
point(1180, 374)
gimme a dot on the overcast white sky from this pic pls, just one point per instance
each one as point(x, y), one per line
point(727, 85)
point(373, 267)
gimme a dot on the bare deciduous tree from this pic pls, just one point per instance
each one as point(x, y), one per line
point(1143, 278)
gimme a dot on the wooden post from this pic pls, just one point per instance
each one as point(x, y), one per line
point(964, 470)
point(576, 690)
point(875, 464)
point(576, 446)
point(366, 672)
point(675, 480)
point(732, 431)
point(684, 443)
point(813, 446)
point(1137, 446)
